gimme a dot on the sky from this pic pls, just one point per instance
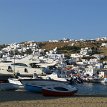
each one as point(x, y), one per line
point(43, 20)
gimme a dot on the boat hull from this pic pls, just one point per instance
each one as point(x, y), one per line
point(93, 80)
point(32, 88)
point(39, 85)
point(51, 92)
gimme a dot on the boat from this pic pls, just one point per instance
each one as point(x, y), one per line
point(92, 79)
point(24, 67)
point(39, 81)
point(34, 88)
point(15, 82)
point(36, 85)
point(104, 80)
point(59, 90)
point(54, 76)
point(39, 85)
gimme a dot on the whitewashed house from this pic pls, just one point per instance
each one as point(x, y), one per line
point(53, 41)
point(101, 38)
point(56, 56)
point(90, 70)
point(98, 56)
point(104, 45)
point(89, 60)
point(85, 51)
point(76, 56)
point(99, 66)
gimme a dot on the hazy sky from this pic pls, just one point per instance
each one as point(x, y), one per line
point(41, 20)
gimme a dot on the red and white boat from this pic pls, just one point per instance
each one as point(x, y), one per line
point(59, 90)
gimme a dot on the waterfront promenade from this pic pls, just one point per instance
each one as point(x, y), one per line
point(21, 98)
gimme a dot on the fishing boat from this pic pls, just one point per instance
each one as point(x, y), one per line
point(59, 90)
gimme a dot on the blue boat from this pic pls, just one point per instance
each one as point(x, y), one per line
point(34, 88)
point(36, 85)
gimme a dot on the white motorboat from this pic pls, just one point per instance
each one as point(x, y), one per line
point(16, 81)
point(54, 76)
point(104, 80)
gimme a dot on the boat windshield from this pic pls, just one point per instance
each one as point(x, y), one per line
point(34, 65)
point(6, 61)
point(19, 64)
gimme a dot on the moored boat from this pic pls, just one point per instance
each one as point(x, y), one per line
point(15, 82)
point(54, 76)
point(36, 85)
point(104, 80)
point(92, 80)
point(34, 88)
point(41, 82)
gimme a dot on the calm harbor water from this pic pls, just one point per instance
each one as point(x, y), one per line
point(83, 89)
point(92, 88)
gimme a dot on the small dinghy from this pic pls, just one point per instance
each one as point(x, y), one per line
point(59, 90)
point(15, 82)
point(104, 80)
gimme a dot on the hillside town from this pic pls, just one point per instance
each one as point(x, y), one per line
point(28, 58)
point(53, 53)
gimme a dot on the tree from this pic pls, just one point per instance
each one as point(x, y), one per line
point(29, 51)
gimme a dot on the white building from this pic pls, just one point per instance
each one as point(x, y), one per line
point(85, 51)
point(90, 70)
point(104, 45)
point(89, 60)
point(76, 55)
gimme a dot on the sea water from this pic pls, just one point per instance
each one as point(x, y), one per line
point(83, 89)
point(91, 88)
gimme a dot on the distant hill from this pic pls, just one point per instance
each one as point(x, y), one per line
point(76, 44)
point(69, 47)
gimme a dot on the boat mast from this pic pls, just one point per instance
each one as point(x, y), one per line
point(14, 63)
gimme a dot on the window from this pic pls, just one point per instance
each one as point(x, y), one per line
point(19, 64)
